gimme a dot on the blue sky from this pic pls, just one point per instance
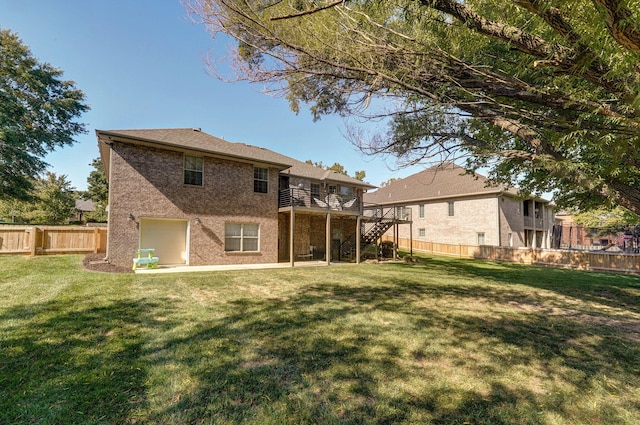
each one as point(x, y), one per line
point(141, 65)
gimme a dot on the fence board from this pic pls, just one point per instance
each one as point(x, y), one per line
point(606, 261)
point(43, 240)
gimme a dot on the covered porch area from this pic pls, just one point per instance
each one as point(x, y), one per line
point(308, 234)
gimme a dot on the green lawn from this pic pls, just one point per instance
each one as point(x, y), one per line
point(444, 341)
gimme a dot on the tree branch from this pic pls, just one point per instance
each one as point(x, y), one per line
point(308, 12)
point(621, 24)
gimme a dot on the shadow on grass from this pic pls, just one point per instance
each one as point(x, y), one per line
point(326, 355)
point(66, 363)
point(397, 349)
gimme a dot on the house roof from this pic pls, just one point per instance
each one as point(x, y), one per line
point(193, 139)
point(85, 205)
point(439, 182)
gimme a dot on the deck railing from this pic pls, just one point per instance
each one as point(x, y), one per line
point(329, 201)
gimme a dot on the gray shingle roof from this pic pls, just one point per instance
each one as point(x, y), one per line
point(199, 141)
point(439, 182)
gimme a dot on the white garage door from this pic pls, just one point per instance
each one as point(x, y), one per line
point(167, 237)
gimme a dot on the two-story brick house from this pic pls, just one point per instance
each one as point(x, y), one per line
point(452, 207)
point(200, 200)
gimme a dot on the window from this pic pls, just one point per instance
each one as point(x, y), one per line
point(421, 210)
point(422, 233)
point(333, 190)
point(241, 237)
point(481, 238)
point(193, 166)
point(451, 210)
point(401, 213)
point(346, 191)
point(315, 190)
point(260, 180)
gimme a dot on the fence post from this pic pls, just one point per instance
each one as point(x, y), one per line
point(96, 240)
point(34, 240)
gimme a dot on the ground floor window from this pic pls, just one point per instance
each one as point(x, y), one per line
point(241, 237)
point(422, 233)
point(481, 240)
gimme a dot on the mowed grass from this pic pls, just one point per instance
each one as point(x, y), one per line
point(444, 341)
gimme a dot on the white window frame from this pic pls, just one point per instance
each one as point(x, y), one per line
point(482, 238)
point(451, 212)
point(422, 232)
point(242, 237)
point(421, 210)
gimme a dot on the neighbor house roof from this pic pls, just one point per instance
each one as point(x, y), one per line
point(85, 205)
point(439, 182)
point(195, 140)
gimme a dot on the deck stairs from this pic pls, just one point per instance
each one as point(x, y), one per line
point(373, 227)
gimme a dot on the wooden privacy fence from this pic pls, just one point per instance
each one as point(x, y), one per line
point(45, 240)
point(585, 260)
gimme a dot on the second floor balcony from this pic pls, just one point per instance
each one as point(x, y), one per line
point(303, 198)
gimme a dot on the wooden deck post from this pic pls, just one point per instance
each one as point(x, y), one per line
point(292, 228)
point(358, 237)
point(328, 239)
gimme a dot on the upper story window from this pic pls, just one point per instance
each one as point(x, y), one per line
point(260, 180)
point(346, 191)
point(451, 209)
point(315, 190)
point(421, 210)
point(193, 170)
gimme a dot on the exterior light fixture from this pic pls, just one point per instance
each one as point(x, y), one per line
point(131, 217)
point(197, 221)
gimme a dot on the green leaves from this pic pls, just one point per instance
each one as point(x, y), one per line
point(544, 92)
point(37, 114)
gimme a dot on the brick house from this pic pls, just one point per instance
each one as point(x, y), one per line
point(446, 205)
point(200, 200)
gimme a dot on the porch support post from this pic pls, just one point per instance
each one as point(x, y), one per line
point(358, 237)
point(328, 239)
point(292, 227)
point(395, 240)
point(535, 227)
point(411, 238)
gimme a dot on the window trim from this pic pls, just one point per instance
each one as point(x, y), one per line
point(241, 237)
point(483, 236)
point(451, 212)
point(193, 170)
point(421, 211)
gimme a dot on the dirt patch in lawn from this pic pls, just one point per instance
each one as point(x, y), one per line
point(97, 263)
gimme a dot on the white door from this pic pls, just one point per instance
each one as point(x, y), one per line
point(167, 237)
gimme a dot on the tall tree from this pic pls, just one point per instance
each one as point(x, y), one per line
point(52, 202)
point(38, 111)
point(98, 192)
point(545, 93)
point(338, 168)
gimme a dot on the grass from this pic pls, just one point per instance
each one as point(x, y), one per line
point(444, 341)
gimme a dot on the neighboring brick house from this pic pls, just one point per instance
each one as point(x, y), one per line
point(449, 206)
point(200, 200)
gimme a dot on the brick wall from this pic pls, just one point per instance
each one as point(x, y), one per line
point(148, 183)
